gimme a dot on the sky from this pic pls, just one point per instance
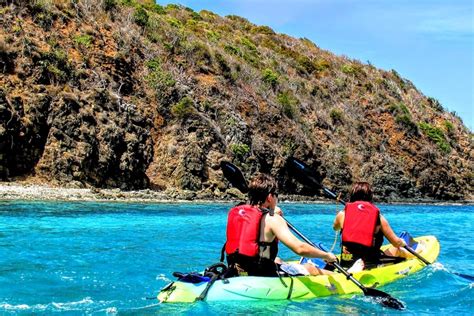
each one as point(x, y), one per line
point(429, 42)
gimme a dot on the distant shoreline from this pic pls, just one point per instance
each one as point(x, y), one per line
point(11, 191)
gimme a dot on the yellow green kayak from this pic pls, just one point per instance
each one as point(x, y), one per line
point(300, 287)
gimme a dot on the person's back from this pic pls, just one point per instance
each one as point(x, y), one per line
point(253, 232)
point(247, 252)
point(363, 228)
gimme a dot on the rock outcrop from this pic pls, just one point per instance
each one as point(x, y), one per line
point(133, 95)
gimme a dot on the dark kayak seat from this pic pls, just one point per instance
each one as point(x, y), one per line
point(191, 277)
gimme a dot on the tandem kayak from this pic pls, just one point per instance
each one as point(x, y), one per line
point(247, 288)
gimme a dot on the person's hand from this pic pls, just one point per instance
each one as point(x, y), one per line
point(330, 257)
point(278, 211)
point(401, 243)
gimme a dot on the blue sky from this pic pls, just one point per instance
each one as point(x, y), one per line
point(429, 42)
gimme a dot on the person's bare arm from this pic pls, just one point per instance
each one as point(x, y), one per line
point(282, 232)
point(389, 234)
point(338, 221)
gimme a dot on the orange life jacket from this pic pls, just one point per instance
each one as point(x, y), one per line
point(360, 221)
point(243, 230)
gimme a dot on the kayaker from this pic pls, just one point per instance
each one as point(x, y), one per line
point(254, 230)
point(363, 230)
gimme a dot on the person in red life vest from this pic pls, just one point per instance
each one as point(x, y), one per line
point(255, 229)
point(364, 229)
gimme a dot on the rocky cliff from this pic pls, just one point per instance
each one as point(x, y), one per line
point(129, 94)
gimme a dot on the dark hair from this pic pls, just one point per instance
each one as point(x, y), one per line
point(361, 191)
point(260, 186)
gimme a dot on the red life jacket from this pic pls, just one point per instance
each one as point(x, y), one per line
point(243, 230)
point(360, 221)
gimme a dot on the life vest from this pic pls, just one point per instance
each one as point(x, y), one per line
point(360, 221)
point(243, 230)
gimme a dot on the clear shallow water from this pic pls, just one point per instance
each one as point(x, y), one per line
point(99, 258)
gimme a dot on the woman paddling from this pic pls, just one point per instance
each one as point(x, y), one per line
point(363, 231)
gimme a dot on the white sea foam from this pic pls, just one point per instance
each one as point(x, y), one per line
point(111, 310)
point(162, 277)
point(438, 266)
point(73, 305)
point(7, 306)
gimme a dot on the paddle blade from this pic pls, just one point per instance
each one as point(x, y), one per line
point(234, 176)
point(302, 172)
point(384, 299)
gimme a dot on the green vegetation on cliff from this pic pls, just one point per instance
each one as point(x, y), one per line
point(131, 94)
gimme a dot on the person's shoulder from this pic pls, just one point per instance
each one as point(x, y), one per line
point(275, 218)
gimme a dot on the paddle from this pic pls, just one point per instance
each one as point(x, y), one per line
point(304, 174)
point(235, 177)
point(462, 275)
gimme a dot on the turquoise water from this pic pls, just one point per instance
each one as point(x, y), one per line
point(104, 258)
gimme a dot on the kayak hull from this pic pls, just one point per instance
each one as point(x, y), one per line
point(301, 287)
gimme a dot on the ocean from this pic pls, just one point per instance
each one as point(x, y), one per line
point(113, 258)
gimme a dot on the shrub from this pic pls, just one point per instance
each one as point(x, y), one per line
point(84, 40)
point(352, 69)
point(141, 16)
point(404, 108)
point(239, 150)
point(233, 50)
point(305, 65)
point(201, 53)
point(127, 3)
point(449, 127)
point(348, 69)
point(158, 9)
point(213, 36)
point(405, 121)
point(336, 115)
point(224, 66)
point(162, 81)
point(263, 30)
point(183, 108)
point(55, 67)
point(41, 5)
point(109, 5)
point(435, 104)
point(174, 22)
point(436, 135)
point(403, 117)
point(249, 44)
point(270, 77)
point(398, 108)
point(289, 147)
point(172, 7)
point(321, 65)
point(288, 103)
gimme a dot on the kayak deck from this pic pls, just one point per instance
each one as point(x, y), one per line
point(300, 287)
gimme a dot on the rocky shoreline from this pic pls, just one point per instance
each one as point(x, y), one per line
point(11, 191)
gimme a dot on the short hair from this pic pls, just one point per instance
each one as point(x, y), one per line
point(260, 186)
point(361, 191)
